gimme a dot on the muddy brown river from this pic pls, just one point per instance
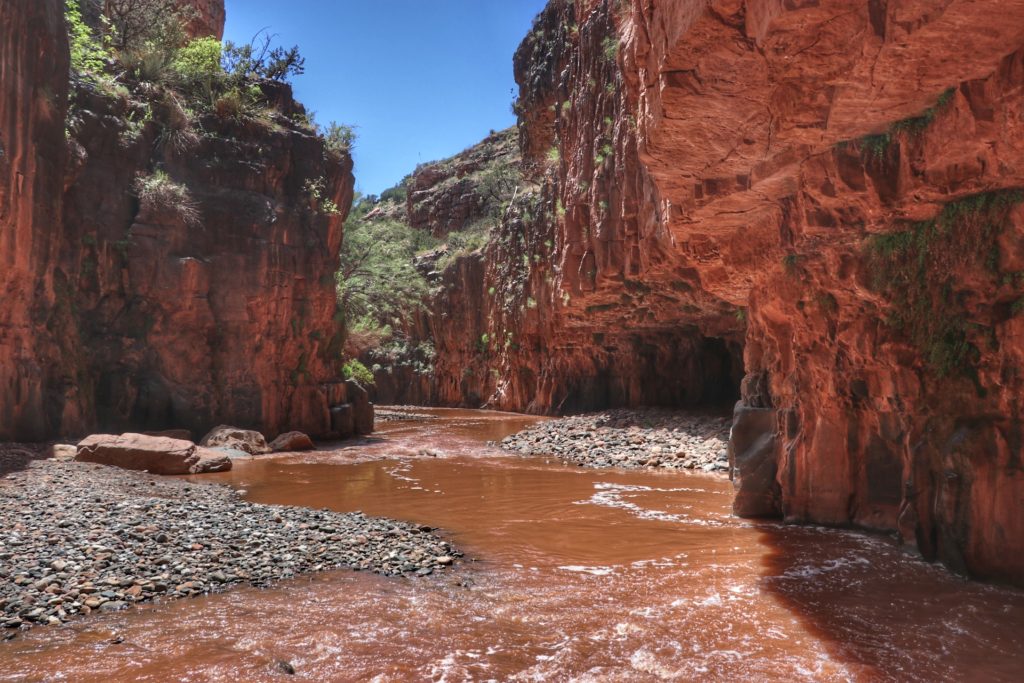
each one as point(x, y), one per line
point(572, 574)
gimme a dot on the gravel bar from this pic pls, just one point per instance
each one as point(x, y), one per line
point(634, 439)
point(77, 538)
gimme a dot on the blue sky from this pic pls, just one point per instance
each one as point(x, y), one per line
point(419, 79)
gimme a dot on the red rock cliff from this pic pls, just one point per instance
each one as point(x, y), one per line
point(33, 101)
point(830, 190)
point(124, 311)
point(209, 17)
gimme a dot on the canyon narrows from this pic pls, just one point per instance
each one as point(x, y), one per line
point(779, 241)
point(816, 207)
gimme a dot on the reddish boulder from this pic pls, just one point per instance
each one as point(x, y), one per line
point(247, 440)
point(183, 434)
point(211, 461)
point(290, 442)
point(752, 462)
point(153, 454)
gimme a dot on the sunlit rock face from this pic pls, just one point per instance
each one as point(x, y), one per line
point(125, 313)
point(208, 17)
point(818, 197)
point(226, 316)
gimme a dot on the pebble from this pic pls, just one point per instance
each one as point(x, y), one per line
point(126, 537)
point(646, 438)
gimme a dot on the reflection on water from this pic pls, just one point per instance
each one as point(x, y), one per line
point(581, 575)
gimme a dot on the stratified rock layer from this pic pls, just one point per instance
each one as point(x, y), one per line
point(829, 191)
point(123, 313)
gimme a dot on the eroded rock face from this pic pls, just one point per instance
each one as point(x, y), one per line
point(122, 313)
point(38, 396)
point(812, 183)
point(226, 316)
point(209, 17)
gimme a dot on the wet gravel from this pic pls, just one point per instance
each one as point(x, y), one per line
point(77, 538)
point(634, 439)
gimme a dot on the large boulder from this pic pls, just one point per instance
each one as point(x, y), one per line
point(183, 434)
point(247, 440)
point(153, 454)
point(211, 461)
point(362, 409)
point(752, 462)
point(290, 442)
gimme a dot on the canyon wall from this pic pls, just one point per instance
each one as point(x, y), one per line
point(209, 17)
point(822, 199)
point(34, 65)
point(164, 271)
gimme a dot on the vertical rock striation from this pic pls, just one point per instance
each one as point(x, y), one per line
point(829, 192)
point(37, 392)
point(122, 310)
point(221, 317)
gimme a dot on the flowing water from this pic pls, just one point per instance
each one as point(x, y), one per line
point(579, 574)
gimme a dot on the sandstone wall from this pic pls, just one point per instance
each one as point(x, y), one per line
point(814, 184)
point(122, 312)
point(209, 17)
point(37, 393)
point(226, 318)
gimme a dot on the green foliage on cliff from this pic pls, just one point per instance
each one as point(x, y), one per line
point(876, 146)
point(378, 284)
point(355, 370)
point(918, 269)
point(159, 193)
point(88, 53)
point(340, 139)
point(200, 60)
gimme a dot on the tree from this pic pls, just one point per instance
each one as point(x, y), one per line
point(138, 24)
point(378, 285)
point(259, 59)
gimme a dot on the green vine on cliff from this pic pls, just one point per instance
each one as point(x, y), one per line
point(917, 269)
point(88, 54)
point(876, 146)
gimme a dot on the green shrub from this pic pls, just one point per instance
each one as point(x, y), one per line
point(610, 47)
point(232, 105)
point(150, 63)
point(200, 62)
point(355, 370)
point(88, 56)
point(397, 194)
point(158, 192)
point(147, 25)
point(378, 283)
point(259, 59)
point(340, 139)
point(177, 133)
point(915, 269)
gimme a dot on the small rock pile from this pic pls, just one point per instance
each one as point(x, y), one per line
point(77, 538)
point(644, 438)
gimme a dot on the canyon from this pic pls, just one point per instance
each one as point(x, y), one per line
point(811, 207)
point(806, 212)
